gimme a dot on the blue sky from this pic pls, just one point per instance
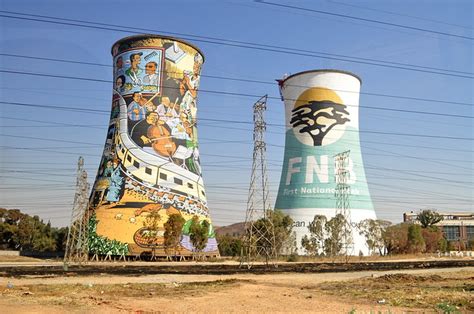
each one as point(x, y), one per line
point(431, 167)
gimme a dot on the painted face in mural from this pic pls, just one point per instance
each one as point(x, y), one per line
point(137, 97)
point(135, 61)
point(119, 63)
point(150, 68)
point(119, 82)
point(165, 101)
point(152, 118)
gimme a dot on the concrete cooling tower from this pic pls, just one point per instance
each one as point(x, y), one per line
point(322, 120)
point(150, 168)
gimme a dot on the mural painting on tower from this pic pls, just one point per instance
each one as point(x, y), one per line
point(322, 120)
point(151, 161)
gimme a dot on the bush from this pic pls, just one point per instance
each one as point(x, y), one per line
point(433, 238)
point(443, 245)
point(199, 234)
point(416, 243)
point(470, 244)
point(229, 245)
point(396, 238)
point(292, 258)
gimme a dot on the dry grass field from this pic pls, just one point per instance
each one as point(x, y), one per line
point(402, 291)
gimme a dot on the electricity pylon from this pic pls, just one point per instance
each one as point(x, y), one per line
point(342, 193)
point(259, 237)
point(77, 248)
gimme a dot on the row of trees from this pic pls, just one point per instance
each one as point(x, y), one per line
point(410, 237)
point(19, 231)
point(326, 236)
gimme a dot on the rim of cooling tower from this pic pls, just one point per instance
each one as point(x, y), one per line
point(147, 36)
point(321, 71)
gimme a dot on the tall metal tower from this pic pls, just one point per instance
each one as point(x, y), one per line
point(77, 248)
point(342, 193)
point(259, 238)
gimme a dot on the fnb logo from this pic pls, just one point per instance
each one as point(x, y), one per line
point(318, 117)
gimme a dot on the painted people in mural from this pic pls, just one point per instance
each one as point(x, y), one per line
point(119, 83)
point(140, 131)
point(167, 112)
point(189, 85)
point(134, 72)
point(151, 159)
point(115, 183)
point(151, 77)
point(175, 106)
point(135, 109)
point(119, 67)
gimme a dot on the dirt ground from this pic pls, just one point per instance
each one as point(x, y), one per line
point(403, 291)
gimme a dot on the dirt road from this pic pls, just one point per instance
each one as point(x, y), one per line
point(265, 293)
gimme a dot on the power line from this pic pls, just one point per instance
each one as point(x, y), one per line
point(53, 122)
point(247, 122)
point(398, 14)
point(260, 81)
point(244, 80)
point(216, 126)
point(221, 93)
point(242, 44)
point(363, 19)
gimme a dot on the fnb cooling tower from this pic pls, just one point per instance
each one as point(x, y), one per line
point(150, 166)
point(322, 120)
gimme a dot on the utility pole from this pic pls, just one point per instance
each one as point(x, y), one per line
point(259, 238)
point(77, 247)
point(342, 193)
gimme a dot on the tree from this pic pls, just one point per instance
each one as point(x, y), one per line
point(12, 216)
point(396, 238)
point(8, 236)
point(336, 233)
point(277, 226)
point(434, 239)
point(229, 245)
point(173, 231)
point(263, 239)
point(60, 236)
point(24, 232)
point(314, 244)
point(199, 234)
point(373, 230)
point(428, 218)
point(416, 243)
point(283, 229)
point(307, 114)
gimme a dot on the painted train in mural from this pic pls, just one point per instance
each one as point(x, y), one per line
point(151, 160)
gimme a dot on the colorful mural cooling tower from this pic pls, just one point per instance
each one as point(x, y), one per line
point(322, 120)
point(150, 168)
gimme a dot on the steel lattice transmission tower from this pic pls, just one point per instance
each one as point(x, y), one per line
point(77, 248)
point(259, 238)
point(342, 193)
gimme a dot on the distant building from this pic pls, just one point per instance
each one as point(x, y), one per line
point(455, 226)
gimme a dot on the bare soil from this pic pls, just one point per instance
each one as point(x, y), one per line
point(17, 259)
point(396, 291)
